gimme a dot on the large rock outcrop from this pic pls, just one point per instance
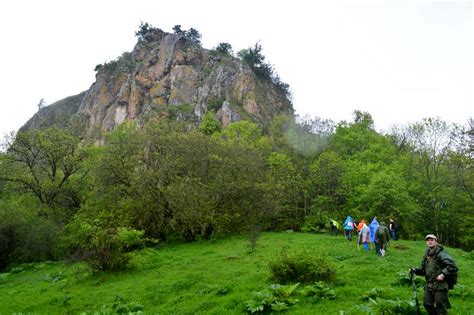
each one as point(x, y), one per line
point(173, 76)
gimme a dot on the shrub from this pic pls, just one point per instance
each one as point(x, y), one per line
point(301, 266)
point(315, 224)
point(25, 236)
point(104, 248)
point(209, 124)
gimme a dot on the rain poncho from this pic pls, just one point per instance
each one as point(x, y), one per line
point(335, 224)
point(364, 234)
point(348, 223)
point(373, 229)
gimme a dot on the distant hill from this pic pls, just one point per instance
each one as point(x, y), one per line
point(58, 113)
point(173, 76)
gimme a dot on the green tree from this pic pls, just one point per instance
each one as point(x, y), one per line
point(327, 190)
point(193, 35)
point(224, 48)
point(113, 176)
point(43, 163)
point(366, 153)
point(244, 133)
point(431, 142)
point(387, 196)
point(25, 236)
point(143, 29)
point(438, 170)
point(256, 60)
point(287, 190)
point(177, 30)
point(209, 124)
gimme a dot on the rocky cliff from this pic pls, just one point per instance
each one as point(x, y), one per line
point(172, 76)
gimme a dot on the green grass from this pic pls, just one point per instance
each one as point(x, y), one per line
point(218, 277)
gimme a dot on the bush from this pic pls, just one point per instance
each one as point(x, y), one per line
point(104, 248)
point(315, 224)
point(25, 236)
point(301, 266)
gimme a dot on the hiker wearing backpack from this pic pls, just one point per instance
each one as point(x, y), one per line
point(348, 227)
point(440, 273)
point(382, 237)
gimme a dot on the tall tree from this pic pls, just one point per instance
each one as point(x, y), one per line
point(431, 141)
point(42, 162)
point(288, 189)
point(327, 186)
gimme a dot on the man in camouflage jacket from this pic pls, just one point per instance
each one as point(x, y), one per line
point(436, 266)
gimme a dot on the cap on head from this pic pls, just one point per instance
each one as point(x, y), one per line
point(431, 236)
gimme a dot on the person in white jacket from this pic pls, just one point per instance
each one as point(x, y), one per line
point(364, 236)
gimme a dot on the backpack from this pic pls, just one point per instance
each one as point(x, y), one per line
point(452, 279)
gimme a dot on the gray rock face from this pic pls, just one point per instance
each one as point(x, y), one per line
point(58, 113)
point(166, 73)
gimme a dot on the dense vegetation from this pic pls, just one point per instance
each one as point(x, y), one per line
point(63, 197)
point(221, 276)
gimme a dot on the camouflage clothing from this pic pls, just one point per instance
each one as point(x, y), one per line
point(382, 236)
point(435, 262)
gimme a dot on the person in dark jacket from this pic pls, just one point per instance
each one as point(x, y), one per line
point(382, 237)
point(393, 227)
point(436, 266)
point(333, 227)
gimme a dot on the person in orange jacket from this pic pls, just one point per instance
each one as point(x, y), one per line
point(360, 225)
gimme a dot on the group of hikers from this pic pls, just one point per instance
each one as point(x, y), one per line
point(437, 266)
point(370, 236)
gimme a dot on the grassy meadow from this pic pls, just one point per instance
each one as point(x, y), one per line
point(219, 277)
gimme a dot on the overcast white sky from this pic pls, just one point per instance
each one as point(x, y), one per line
point(400, 61)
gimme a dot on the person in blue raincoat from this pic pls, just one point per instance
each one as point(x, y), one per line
point(373, 226)
point(348, 227)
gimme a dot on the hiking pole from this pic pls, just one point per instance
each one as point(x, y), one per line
point(415, 292)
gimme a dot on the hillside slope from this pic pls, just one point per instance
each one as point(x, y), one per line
point(219, 276)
